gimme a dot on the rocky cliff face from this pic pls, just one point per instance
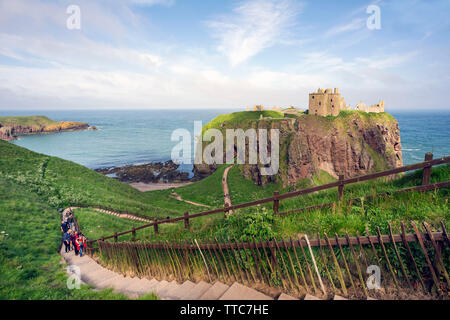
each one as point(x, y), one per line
point(10, 132)
point(352, 144)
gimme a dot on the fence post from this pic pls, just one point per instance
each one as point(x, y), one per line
point(226, 210)
point(186, 220)
point(155, 227)
point(341, 188)
point(115, 237)
point(133, 234)
point(276, 202)
point(427, 170)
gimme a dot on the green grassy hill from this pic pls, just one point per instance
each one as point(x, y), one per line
point(33, 186)
point(27, 121)
point(63, 183)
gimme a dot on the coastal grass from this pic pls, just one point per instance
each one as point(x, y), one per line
point(207, 191)
point(260, 221)
point(27, 121)
point(30, 266)
point(63, 183)
point(243, 116)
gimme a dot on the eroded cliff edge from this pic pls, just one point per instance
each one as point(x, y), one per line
point(12, 127)
point(313, 148)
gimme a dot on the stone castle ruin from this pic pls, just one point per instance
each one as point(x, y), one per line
point(379, 107)
point(330, 103)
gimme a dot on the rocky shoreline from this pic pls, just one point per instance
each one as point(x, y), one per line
point(155, 172)
point(10, 133)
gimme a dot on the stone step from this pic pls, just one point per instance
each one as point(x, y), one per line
point(196, 292)
point(109, 283)
point(181, 290)
point(141, 287)
point(97, 277)
point(284, 296)
point(162, 293)
point(88, 268)
point(215, 292)
point(339, 298)
point(310, 297)
point(240, 292)
point(125, 286)
point(160, 285)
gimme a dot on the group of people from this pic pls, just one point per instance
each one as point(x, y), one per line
point(72, 240)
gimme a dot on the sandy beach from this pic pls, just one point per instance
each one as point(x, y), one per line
point(143, 187)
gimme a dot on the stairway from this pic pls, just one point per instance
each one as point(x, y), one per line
point(101, 278)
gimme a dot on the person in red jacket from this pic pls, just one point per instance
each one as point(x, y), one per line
point(73, 239)
point(81, 242)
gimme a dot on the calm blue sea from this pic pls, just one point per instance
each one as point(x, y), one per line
point(133, 137)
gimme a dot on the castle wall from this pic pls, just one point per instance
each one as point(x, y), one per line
point(324, 103)
point(328, 102)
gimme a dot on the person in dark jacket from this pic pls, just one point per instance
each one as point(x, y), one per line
point(66, 240)
point(65, 227)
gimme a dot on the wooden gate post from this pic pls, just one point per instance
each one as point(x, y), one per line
point(427, 170)
point(341, 188)
point(133, 234)
point(276, 202)
point(115, 237)
point(186, 220)
point(155, 227)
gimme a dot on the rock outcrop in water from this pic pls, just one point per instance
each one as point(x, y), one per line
point(148, 173)
point(352, 144)
point(12, 127)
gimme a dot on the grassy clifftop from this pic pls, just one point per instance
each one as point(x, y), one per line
point(27, 121)
point(353, 143)
point(10, 127)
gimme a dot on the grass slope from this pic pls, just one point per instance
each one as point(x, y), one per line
point(27, 121)
point(259, 221)
point(29, 240)
point(62, 183)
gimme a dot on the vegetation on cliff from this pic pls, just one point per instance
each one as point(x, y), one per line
point(351, 144)
point(11, 127)
point(63, 183)
point(33, 186)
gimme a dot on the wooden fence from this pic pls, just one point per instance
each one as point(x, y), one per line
point(415, 262)
point(275, 200)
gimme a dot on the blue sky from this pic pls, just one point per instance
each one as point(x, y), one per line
point(222, 54)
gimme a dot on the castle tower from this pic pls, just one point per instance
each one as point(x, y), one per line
point(326, 102)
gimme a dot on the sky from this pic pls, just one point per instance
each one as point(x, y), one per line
point(161, 54)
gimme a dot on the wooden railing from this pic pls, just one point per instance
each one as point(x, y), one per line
point(427, 165)
point(331, 265)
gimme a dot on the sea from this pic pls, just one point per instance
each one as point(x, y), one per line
point(127, 137)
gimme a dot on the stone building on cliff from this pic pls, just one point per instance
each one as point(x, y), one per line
point(379, 107)
point(326, 103)
point(331, 103)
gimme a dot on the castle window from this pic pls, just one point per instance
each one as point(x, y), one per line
point(332, 106)
point(331, 100)
point(313, 97)
point(320, 103)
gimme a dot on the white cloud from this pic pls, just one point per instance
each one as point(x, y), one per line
point(252, 27)
point(355, 24)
